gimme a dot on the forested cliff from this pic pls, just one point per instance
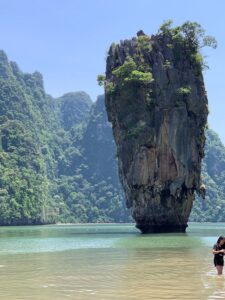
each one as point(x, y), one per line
point(58, 158)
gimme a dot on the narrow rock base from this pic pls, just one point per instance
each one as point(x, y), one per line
point(149, 228)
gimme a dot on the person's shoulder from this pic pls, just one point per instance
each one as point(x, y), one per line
point(215, 246)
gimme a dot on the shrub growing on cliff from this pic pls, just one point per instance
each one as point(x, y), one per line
point(190, 37)
point(165, 28)
point(109, 86)
point(144, 43)
point(101, 79)
point(140, 77)
point(129, 72)
point(184, 91)
point(182, 94)
point(195, 35)
point(190, 32)
point(125, 69)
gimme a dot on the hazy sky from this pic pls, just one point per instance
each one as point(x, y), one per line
point(67, 40)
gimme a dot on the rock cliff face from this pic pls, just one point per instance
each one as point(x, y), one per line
point(157, 103)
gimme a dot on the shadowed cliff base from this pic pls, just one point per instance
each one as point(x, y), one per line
point(146, 228)
point(157, 104)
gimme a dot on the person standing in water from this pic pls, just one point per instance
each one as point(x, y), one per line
point(218, 252)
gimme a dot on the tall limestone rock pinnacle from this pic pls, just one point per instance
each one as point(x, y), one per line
point(157, 104)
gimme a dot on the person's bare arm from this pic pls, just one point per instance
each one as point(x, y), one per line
point(218, 251)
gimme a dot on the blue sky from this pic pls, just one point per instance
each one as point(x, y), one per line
point(67, 40)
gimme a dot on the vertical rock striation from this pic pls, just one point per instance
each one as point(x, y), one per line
point(157, 104)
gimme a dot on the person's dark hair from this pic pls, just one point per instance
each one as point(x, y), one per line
point(220, 238)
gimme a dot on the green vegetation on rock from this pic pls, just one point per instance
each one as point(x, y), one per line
point(189, 36)
point(129, 72)
point(184, 91)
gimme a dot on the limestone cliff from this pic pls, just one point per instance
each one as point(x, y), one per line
point(157, 103)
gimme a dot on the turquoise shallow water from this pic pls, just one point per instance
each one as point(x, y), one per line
point(108, 262)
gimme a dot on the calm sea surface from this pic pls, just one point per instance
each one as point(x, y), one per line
point(108, 262)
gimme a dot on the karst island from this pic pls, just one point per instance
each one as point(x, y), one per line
point(157, 103)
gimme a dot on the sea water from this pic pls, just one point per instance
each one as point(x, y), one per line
point(108, 262)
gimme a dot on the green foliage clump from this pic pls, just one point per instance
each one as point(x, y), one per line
point(110, 88)
point(129, 72)
point(165, 28)
point(139, 77)
point(144, 43)
point(182, 94)
point(199, 62)
point(101, 79)
point(191, 38)
point(191, 33)
point(184, 91)
point(197, 59)
point(125, 69)
point(195, 35)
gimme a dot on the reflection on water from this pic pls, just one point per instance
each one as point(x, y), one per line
point(108, 262)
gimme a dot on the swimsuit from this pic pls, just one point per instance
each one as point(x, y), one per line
point(218, 258)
